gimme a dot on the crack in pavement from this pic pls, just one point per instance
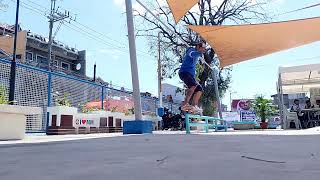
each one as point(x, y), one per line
point(161, 161)
point(256, 159)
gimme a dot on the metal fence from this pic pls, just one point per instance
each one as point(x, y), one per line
point(40, 88)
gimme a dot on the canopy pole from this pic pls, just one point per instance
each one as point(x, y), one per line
point(168, 28)
point(281, 102)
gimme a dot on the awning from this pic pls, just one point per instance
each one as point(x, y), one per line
point(180, 7)
point(300, 79)
point(234, 44)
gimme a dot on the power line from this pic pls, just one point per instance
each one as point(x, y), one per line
point(91, 29)
point(296, 10)
point(83, 31)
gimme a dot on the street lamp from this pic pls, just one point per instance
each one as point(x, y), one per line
point(231, 92)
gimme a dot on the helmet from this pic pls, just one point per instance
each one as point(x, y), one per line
point(200, 42)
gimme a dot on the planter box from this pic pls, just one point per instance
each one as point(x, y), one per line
point(13, 120)
point(61, 120)
point(243, 125)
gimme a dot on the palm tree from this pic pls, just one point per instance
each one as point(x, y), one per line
point(263, 107)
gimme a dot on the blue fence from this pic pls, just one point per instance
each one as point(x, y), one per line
point(40, 88)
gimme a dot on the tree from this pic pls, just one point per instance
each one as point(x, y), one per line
point(3, 7)
point(263, 107)
point(206, 12)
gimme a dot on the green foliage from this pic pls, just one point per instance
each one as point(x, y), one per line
point(209, 98)
point(263, 107)
point(199, 70)
point(85, 109)
point(131, 110)
point(62, 101)
point(3, 95)
point(114, 109)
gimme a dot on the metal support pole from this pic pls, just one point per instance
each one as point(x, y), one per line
point(49, 98)
point(13, 62)
point(282, 106)
point(133, 60)
point(94, 72)
point(102, 97)
point(159, 72)
point(216, 88)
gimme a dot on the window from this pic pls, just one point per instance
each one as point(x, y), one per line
point(29, 56)
point(65, 66)
point(55, 63)
point(18, 56)
point(41, 59)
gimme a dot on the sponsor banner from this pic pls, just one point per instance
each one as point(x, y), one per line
point(230, 118)
point(247, 116)
point(82, 121)
point(241, 105)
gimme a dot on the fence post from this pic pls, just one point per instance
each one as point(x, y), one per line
point(102, 97)
point(49, 98)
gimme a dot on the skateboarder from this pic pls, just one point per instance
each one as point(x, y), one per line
point(187, 74)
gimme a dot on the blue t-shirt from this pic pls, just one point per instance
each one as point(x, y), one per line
point(190, 61)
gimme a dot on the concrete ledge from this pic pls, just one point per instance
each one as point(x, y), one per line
point(137, 127)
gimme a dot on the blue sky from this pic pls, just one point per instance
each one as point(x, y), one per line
point(257, 76)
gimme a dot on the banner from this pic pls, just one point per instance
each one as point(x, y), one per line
point(230, 118)
point(241, 105)
point(248, 116)
point(84, 120)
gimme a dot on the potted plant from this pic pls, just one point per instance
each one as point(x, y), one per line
point(264, 109)
point(13, 118)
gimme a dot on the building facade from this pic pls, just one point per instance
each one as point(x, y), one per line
point(32, 49)
point(171, 93)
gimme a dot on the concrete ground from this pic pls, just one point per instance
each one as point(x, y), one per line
point(166, 157)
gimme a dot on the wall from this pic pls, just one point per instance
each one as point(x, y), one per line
point(6, 43)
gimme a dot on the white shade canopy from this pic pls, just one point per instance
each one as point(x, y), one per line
point(299, 79)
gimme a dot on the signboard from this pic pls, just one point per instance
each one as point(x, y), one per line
point(230, 118)
point(248, 116)
point(86, 121)
point(241, 105)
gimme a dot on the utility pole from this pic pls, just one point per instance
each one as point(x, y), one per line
point(54, 16)
point(159, 72)
point(133, 62)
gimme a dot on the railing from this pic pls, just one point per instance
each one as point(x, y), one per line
point(217, 123)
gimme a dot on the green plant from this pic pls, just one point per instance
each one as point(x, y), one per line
point(64, 100)
point(263, 107)
point(131, 110)
point(114, 109)
point(3, 95)
point(85, 109)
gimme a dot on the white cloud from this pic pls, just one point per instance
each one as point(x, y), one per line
point(120, 3)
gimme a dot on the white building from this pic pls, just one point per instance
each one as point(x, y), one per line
point(168, 89)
